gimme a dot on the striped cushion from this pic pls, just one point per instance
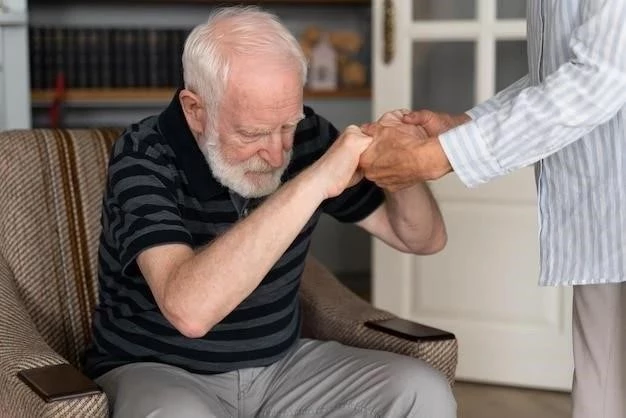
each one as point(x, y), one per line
point(52, 183)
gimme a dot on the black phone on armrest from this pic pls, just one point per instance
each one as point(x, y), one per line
point(58, 382)
point(409, 330)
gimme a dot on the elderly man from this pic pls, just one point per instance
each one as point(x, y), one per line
point(568, 115)
point(207, 219)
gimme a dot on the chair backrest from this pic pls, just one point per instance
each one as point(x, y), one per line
point(51, 185)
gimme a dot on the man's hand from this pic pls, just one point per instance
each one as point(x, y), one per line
point(433, 123)
point(395, 118)
point(338, 167)
point(398, 158)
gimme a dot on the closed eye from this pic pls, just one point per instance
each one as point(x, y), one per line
point(253, 136)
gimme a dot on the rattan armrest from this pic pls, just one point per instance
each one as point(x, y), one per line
point(332, 312)
point(22, 347)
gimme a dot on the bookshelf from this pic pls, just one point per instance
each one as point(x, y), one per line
point(90, 100)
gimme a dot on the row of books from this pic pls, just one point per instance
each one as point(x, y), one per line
point(105, 57)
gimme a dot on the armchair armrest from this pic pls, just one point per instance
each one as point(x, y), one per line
point(332, 312)
point(22, 347)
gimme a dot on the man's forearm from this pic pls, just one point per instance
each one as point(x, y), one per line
point(219, 277)
point(415, 218)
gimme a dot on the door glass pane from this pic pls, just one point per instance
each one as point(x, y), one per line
point(443, 76)
point(511, 9)
point(511, 62)
point(443, 9)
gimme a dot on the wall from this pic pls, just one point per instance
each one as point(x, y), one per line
point(343, 248)
point(14, 98)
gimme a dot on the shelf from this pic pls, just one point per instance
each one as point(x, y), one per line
point(105, 96)
point(355, 93)
point(13, 18)
point(147, 96)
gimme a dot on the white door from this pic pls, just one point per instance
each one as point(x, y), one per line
point(448, 55)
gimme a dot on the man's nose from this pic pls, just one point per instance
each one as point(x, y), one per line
point(274, 152)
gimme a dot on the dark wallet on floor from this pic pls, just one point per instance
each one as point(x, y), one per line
point(57, 382)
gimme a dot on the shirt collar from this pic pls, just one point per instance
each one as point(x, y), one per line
point(173, 126)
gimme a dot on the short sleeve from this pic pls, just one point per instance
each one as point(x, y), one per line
point(314, 137)
point(142, 206)
point(355, 203)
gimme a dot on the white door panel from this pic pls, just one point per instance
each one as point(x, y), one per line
point(449, 55)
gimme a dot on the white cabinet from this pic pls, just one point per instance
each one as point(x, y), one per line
point(14, 74)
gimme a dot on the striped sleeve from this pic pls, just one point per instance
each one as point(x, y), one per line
point(143, 201)
point(496, 101)
point(355, 203)
point(583, 93)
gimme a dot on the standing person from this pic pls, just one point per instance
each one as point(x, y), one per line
point(568, 116)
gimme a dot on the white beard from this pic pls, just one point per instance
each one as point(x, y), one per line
point(251, 178)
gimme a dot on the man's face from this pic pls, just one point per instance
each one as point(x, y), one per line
point(256, 122)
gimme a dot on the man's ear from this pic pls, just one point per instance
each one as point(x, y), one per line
point(194, 110)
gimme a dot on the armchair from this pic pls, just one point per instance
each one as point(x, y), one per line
point(51, 184)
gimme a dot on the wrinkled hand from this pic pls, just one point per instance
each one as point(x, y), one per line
point(399, 158)
point(434, 123)
point(338, 167)
point(395, 118)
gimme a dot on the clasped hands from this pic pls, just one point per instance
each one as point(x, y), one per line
point(405, 149)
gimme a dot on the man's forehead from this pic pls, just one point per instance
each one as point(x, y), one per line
point(258, 124)
point(264, 103)
point(242, 117)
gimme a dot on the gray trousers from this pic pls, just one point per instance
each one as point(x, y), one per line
point(599, 325)
point(315, 379)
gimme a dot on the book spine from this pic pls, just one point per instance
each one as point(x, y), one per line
point(106, 70)
point(35, 39)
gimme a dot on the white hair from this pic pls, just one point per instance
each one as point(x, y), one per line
point(229, 32)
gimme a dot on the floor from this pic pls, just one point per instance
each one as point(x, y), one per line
point(485, 401)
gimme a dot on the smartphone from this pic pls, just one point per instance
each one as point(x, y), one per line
point(409, 330)
point(58, 382)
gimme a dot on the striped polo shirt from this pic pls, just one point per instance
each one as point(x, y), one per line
point(160, 190)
